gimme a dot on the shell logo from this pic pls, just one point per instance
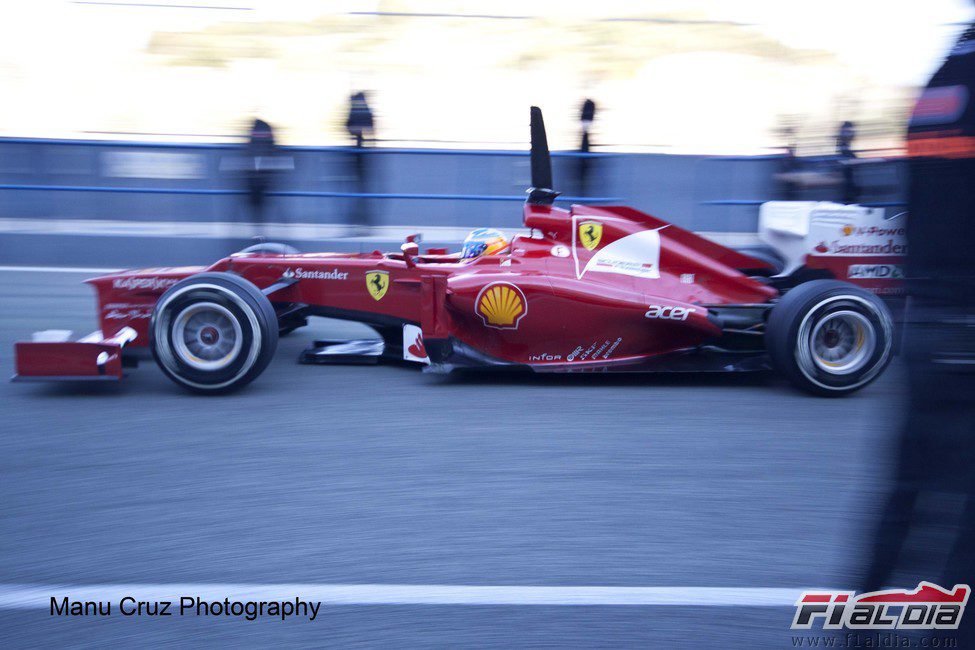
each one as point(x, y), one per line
point(501, 305)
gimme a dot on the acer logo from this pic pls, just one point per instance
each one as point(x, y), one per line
point(668, 312)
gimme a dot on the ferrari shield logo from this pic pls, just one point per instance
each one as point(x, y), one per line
point(590, 234)
point(377, 282)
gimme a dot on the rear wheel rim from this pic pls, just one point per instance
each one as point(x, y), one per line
point(842, 342)
point(855, 371)
point(206, 336)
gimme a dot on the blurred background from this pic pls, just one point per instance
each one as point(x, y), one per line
point(678, 76)
point(163, 133)
point(129, 119)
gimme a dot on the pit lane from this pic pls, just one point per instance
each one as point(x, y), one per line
point(384, 475)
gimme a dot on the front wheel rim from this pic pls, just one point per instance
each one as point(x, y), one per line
point(206, 336)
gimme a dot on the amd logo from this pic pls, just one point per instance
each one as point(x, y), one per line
point(876, 271)
point(668, 312)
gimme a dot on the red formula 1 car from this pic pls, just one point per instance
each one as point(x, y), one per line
point(591, 289)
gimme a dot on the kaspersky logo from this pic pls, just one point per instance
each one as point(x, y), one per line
point(929, 607)
point(152, 283)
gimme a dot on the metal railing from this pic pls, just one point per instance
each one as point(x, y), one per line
point(296, 193)
point(868, 204)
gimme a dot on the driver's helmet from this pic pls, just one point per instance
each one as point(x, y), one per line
point(485, 241)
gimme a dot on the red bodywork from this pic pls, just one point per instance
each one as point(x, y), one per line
point(593, 288)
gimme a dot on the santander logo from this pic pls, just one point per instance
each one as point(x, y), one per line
point(417, 349)
point(413, 347)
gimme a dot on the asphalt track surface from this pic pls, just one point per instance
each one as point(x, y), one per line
point(385, 475)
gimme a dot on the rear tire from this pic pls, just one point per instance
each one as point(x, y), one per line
point(830, 337)
point(213, 332)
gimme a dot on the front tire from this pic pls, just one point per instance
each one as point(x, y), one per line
point(213, 332)
point(830, 337)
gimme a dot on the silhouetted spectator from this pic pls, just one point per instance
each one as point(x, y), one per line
point(847, 159)
point(359, 123)
point(797, 179)
point(928, 527)
point(586, 117)
point(260, 168)
point(788, 167)
point(360, 126)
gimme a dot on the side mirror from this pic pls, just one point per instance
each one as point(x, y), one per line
point(410, 251)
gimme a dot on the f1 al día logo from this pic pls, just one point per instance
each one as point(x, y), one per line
point(929, 607)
